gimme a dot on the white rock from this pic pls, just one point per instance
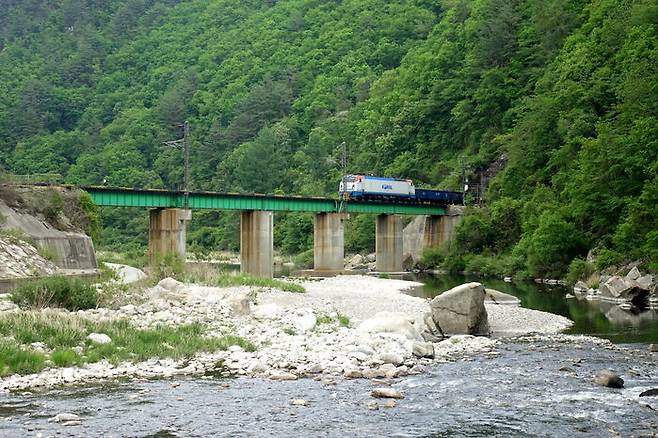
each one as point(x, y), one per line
point(390, 322)
point(353, 374)
point(256, 367)
point(391, 358)
point(99, 338)
point(128, 309)
point(63, 417)
point(386, 393)
point(305, 323)
point(170, 284)
point(267, 311)
point(163, 316)
point(239, 303)
point(283, 376)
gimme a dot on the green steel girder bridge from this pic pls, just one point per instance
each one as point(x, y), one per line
point(169, 211)
point(152, 198)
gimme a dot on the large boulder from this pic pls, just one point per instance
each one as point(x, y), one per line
point(646, 282)
point(617, 287)
point(356, 261)
point(633, 274)
point(390, 322)
point(459, 311)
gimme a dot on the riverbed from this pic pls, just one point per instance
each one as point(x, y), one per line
point(528, 386)
point(534, 387)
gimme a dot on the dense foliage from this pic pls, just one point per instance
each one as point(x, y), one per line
point(561, 95)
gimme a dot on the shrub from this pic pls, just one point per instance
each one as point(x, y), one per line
point(170, 264)
point(52, 207)
point(92, 222)
point(454, 263)
point(606, 258)
point(360, 234)
point(552, 246)
point(67, 292)
point(432, 257)
point(304, 260)
point(580, 269)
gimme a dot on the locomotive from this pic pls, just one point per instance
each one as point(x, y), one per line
point(377, 188)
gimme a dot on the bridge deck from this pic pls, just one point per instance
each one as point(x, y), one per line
point(150, 198)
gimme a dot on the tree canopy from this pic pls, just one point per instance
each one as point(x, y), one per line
point(564, 93)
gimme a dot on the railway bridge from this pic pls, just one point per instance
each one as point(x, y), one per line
point(169, 211)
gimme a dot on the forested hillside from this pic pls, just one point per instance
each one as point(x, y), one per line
point(549, 108)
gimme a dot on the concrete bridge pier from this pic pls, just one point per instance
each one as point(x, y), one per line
point(441, 229)
point(433, 235)
point(167, 232)
point(328, 242)
point(388, 243)
point(256, 243)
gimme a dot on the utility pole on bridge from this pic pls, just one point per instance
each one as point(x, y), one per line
point(185, 142)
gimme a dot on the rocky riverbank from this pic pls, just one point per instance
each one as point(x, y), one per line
point(630, 289)
point(342, 327)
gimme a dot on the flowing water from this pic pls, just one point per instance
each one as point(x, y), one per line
point(521, 393)
point(539, 388)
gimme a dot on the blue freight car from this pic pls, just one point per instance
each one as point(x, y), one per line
point(439, 196)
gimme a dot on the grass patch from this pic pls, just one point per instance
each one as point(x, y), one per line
point(341, 320)
point(67, 292)
point(61, 332)
point(65, 357)
point(228, 280)
point(16, 236)
point(47, 253)
point(17, 360)
point(289, 331)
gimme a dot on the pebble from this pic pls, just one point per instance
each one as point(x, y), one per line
point(386, 392)
point(63, 417)
point(353, 374)
point(283, 376)
point(609, 379)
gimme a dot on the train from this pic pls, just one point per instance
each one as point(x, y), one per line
point(378, 188)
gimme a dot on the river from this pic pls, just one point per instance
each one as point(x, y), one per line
point(534, 387)
point(596, 318)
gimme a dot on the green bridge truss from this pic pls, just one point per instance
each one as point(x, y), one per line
point(119, 197)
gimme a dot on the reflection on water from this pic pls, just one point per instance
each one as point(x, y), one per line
point(596, 318)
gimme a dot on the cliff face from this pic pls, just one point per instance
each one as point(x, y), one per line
point(46, 219)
